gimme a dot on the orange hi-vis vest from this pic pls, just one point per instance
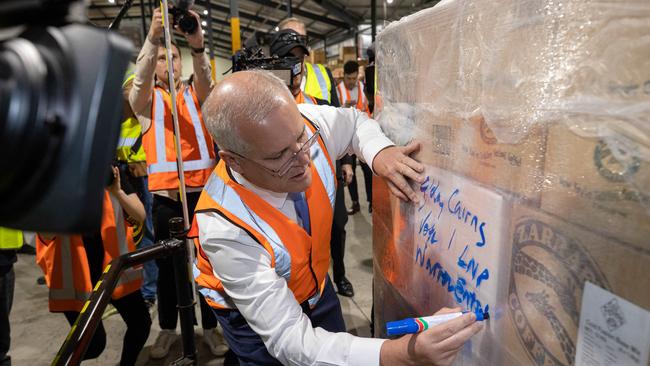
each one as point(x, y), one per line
point(65, 265)
point(304, 98)
point(344, 96)
point(196, 144)
point(302, 260)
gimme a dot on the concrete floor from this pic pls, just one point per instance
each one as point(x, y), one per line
point(37, 334)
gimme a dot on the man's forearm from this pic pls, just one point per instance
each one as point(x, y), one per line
point(202, 76)
point(143, 82)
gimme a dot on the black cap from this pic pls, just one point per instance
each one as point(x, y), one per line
point(286, 40)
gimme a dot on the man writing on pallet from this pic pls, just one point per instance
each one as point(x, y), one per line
point(263, 224)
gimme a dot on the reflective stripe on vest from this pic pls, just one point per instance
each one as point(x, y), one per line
point(318, 82)
point(65, 264)
point(303, 98)
point(10, 238)
point(162, 165)
point(225, 196)
point(130, 277)
point(344, 96)
point(67, 291)
point(120, 228)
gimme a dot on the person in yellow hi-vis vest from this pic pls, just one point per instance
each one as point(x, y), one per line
point(318, 80)
point(132, 158)
point(10, 241)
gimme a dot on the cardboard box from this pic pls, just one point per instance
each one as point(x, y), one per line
point(348, 54)
point(532, 102)
point(318, 56)
point(587, 185)
point(550, 262)
point(468, 147)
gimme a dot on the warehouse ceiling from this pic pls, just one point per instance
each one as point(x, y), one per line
point(329, 20)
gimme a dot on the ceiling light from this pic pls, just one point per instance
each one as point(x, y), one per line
point(111, 1)
point(277, 29)
point(205, 12)
point(203, 30)
point(389, 1)
point(204, 23)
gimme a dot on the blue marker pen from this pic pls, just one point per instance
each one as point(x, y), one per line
point(416, 325)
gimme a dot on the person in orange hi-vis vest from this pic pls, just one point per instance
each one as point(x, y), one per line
point(150, 100)
point(72, 264)
point(351, 94)
point(263, 223)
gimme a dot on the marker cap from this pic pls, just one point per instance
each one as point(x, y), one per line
point(399, 327)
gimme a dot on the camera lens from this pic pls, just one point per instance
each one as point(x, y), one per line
point(31, 94)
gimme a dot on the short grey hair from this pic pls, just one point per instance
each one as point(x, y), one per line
point(232, 104)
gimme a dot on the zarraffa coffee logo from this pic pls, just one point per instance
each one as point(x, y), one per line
point(547, 277)
point(614, 168)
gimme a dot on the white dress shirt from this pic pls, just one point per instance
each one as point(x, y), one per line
point(256, 290)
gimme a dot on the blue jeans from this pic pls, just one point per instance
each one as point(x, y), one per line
point(249, 347)
point(150, 268)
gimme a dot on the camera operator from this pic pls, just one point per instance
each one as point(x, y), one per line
point(151, 102)
point(289, 43)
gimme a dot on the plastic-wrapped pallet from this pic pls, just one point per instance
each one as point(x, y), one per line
point(534, 121)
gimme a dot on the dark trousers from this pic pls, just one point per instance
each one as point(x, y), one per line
point(249, 347)
point(134, 312)
point(367, 180)
point(337, 241)
point(163, 210)
point(7, 282)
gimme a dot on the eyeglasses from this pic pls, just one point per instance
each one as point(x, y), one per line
point(284, 168)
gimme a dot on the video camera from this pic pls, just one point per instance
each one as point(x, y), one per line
point(253, 57)
point(60, 114)
point(181, 16)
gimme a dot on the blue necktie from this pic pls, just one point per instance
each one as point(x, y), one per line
point(302, 210)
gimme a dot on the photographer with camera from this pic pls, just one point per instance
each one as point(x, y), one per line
point(150, 100)
point(289, 43)
point(72, 265)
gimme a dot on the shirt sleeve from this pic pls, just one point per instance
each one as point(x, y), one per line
point(141, 92)
point(269, 307)
point(202, 76)
point(347, 130)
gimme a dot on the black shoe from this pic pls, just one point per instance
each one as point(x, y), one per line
point(355, 208)
point(369, 207)
point(27, 249)
point(344, 287)
point(40, 280)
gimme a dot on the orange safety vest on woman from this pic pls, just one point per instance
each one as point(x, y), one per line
point(302, 260)
point(65, 265)
point(196, 144)
point(344, 96)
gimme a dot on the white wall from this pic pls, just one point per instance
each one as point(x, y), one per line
point(222, 64)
